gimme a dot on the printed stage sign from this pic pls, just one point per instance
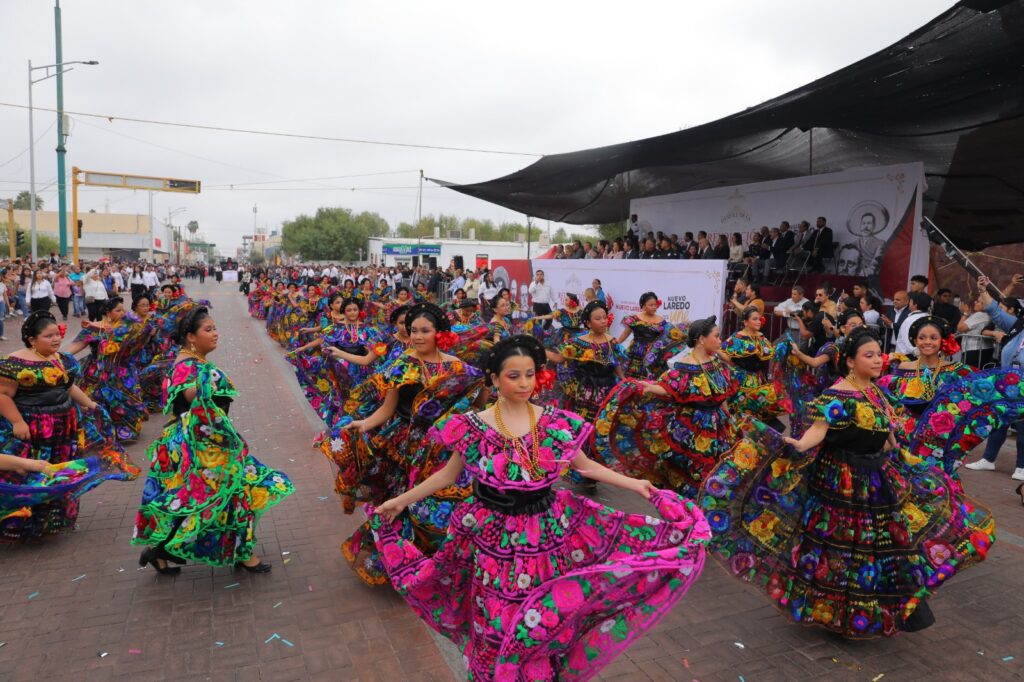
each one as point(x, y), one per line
point(874, 214)
point(689, 289)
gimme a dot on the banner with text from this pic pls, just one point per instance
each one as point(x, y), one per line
point(874, 214)
point(688, 289)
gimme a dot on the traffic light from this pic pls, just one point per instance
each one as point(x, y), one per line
point(79, 228)
point(20, 237)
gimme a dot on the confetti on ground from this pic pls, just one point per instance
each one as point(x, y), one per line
point(322, 498)
point(3, 644)
point(740, 645)
point(270, 639)
point(309, 587)
point(1007, 659)
point(75, 580)
point(285, 641)
point(686, 663)
point(228, 587)
point(285, 553)
point(286, 561)
point(877, 677)
point(851, 666)
point(278, 604)
point(741, 679)
point(33, 596)
point(135, 651)
point(120, 570)
point(219, 643)
point(102, 654)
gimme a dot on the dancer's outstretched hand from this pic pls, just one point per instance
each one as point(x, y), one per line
point(391, 508)
point(643, 488)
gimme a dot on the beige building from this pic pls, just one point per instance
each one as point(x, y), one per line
point(125, 235)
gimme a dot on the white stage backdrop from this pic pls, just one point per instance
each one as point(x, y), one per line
point(874, 213)
point(688, 289)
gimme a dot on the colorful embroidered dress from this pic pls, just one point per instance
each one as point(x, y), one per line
point(963, 413)
point(326, 380)
point(651, 346)
point(758, 395)
point(43, 398)
point(803, 383)
point(205, 493)
point(380, 464)
point(59, 486)
point(916, 388)
point(674, 441)
point(591, 374)
point(110, 375)
point(551, 586)
point(849, 536)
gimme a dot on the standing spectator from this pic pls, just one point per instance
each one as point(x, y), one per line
point(137, 282)
point(542, 296)
point(869, 308)
point(820, 244)
point(599, 291)
point(721, 248)
point(95, 294)
point(151, 280)
point(473, 287)
point(945, 309)
point(218, 273)
point(1012, 340)
point(918, 284)
point(62, 290)
point(977, 345)
point(202, 273)
point(919, 305)
point(41, 292)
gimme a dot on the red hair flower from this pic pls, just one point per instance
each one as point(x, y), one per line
point(611, 319)
point(658, 301)
point(950, 346)
point(63, 329)
point(446, 340)
point(362, 314)
point(545, 380)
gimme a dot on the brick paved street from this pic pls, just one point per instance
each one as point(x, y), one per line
point(76, 607)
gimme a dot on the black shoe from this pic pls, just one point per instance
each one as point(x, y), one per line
point(1020, 491)
point(149, 556)
point(261, 567)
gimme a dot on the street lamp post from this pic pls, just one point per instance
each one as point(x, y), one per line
point(177, 233)
point(58, 73)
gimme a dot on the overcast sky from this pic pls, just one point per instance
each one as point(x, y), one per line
point(533, 77)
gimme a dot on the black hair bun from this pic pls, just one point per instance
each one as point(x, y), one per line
point(523, 345)
point(429, 311)
point(34, 324)
point(699, 329)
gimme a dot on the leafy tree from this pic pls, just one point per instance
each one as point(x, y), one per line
point(45, 243)
point(332, 234)
point(23, 201)
point(610, 231)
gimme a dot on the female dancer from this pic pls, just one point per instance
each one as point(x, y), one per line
point(568, 319)
point(654, 339)
point(205, 493)
point(534, 583)
point(37, 401)
point(377, 445)
point(674, 430)
point(841, 528)
point(915, 383)
point(500, 326)
point(110, 373)
point(805, 377)
point(595, 363)
point(750, 354)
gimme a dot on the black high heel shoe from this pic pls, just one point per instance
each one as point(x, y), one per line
point(261, 567)
point(149, 556)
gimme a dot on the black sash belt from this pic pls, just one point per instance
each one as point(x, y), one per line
point(514, 503)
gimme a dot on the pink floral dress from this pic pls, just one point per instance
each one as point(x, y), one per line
point(534, 583)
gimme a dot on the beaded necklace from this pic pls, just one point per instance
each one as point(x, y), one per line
point(54, 360)
point(529, 460)
point(873, 394)
point(716, 386)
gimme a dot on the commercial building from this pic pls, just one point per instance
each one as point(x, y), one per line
point(128, 236)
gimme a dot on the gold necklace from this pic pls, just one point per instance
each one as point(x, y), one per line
point(529, 460)
point(54, 360)
point(193, 354)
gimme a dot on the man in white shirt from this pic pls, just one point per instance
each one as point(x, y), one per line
point(458, 283)
point(542, 295)
point(919, 305)
point(150, 279)
point(118, 279)
point(790, 309)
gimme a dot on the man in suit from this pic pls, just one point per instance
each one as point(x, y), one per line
point(820, 244)
point(892, 322)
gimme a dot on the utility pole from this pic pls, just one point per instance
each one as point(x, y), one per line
point(62, 201)
point(31, 169)
point(419, 202)
point(10, 229)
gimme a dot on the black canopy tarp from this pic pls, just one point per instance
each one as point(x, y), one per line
point(950, 95)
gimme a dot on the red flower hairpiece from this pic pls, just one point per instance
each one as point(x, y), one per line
point(447, 340)
point(545, 380)
point(950, 346)
point(658, 301)
point(362, 314)
point(611, 318)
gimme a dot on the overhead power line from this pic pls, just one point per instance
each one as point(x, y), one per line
point(270, 133)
